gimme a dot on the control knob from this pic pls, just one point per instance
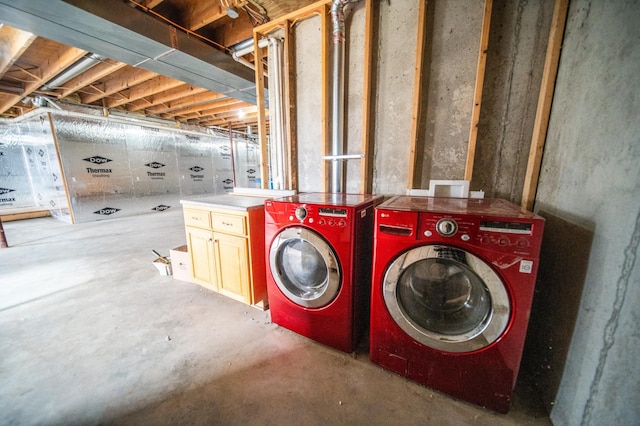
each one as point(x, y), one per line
point(301, 213)
point(447, 227)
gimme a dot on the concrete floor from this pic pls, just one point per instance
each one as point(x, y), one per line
point(90, 333)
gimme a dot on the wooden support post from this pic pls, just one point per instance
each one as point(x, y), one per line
point(290, 103)
point(366, 165)
point(3, 238)
point(477, 94)
point(416, 144)
point(63, 176)
point(260, 103)
point(545, 97)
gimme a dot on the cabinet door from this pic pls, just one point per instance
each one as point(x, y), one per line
point(233, 266)
point(201, 254)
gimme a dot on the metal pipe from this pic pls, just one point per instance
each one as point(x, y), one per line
point(278, 142)
point(241, 51)
point(86, 62)
point(337, 134)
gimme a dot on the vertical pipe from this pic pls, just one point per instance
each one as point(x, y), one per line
point(337, 117)
point(233, 161)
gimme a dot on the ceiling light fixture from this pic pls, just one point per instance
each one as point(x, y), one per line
point(232, 12)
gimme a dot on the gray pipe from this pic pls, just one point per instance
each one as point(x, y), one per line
point(337, 119)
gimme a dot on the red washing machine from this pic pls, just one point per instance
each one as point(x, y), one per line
point(319, 252)
point(453, 281)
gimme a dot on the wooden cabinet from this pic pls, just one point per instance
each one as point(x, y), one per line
point(226, 250)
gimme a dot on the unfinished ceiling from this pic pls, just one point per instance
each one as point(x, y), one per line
point(168, 59)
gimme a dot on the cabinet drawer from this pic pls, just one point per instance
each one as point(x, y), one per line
point(197, 218)
point(228, 224)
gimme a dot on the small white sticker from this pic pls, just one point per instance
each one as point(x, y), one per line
point(363, 213)
point(526, 266)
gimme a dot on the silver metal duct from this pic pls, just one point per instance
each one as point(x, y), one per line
point(86, 62)
point(338, 98)
point(113, 29)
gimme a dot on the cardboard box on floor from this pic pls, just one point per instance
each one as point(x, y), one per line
point(163, 268)
point(180, 263)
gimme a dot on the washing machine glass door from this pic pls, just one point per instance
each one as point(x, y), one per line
point(305, 267)
point(446, 298)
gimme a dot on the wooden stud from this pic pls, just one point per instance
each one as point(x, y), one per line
point(260, 104)
point(417, 145)
point(366, 165)
point(290, 103)
point(59, 157)
point(545, 97)
point(477, 94)
point(3, 238)
point(298, 15)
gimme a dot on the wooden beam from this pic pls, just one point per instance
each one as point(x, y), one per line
point(204, 13)
point(155, 85)
point(13, 43)
point(167, 96)
point(150, 3)
point(124, 78)
point(416, 150)
point(260, 104)
point(298, 15)
point(477, 94)
point(291, 119)
point(226, 119)
point(543, 111)
point(63, 175)
point(193, 99)
point(366, 165)
point(100, 71)
point(65, 56)
point(200, 112)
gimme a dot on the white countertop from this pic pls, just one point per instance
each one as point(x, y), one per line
point(241, 199)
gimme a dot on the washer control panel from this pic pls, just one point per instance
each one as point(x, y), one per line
point(324, 216)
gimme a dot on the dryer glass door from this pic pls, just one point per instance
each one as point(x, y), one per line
point(446, 298)
point(305, 267)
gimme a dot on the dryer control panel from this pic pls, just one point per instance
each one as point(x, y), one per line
point(511, 236)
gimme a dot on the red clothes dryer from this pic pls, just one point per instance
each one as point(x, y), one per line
point(453, 282)
point(319, 253)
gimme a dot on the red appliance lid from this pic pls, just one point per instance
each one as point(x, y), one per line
point(469, 206)
point(329, 199)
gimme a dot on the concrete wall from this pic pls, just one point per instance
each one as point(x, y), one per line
point(591, 179)
point(583, 338)
point(517, 44)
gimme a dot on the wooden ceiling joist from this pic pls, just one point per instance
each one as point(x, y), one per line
point(94, 74)
point(207, 109)
point(64, 57)
point(120, 80)
point(13, 43)
point(155, 85)
point(186, 101)
point(176, 93)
